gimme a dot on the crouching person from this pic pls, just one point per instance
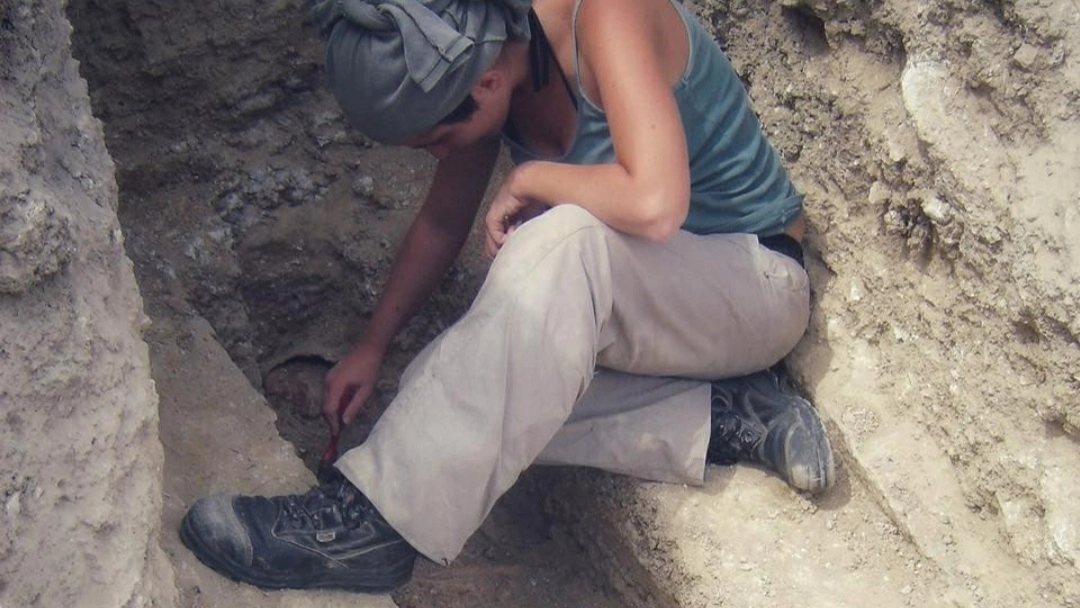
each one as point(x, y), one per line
point(647, 277)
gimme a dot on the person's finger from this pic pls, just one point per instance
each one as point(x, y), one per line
point(331, 397)
point(491, 247)
point(355, 404)
point(493, 218)
point(496, 242)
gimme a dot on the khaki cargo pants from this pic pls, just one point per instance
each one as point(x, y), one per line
point(584, 346)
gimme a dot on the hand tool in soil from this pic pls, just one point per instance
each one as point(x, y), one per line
point(326, 471)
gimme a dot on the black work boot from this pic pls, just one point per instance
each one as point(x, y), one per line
point(761, 419)
point(331, 537)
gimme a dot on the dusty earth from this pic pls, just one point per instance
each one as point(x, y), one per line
point(937, 143)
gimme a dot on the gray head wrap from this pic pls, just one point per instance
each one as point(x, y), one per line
point(398, 67)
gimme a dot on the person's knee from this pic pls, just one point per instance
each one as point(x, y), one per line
point(561, 221)
point(559, 226)
point(549, 244)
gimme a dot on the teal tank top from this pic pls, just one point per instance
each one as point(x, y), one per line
point(737, 183)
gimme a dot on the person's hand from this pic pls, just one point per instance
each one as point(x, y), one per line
point(505, 214)
point(348, 385)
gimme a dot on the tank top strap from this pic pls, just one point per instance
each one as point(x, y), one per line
point(540, 54)
point(573, 37)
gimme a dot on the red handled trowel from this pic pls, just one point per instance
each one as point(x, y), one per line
point(326, 471)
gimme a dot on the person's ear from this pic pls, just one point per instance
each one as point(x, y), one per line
point(491, 81)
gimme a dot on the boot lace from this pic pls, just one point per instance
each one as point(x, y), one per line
point(733, 439)
point(333, 503)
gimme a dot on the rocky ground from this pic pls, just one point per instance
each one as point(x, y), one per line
point(936, 142)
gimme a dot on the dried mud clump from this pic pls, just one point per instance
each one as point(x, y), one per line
point(35, 241)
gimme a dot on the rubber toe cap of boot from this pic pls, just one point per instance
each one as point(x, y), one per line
point(808, 458)
point(213, 531)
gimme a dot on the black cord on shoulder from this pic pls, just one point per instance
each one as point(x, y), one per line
point(540, 53)
point(539, 50)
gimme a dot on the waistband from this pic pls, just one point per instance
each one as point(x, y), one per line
point(785, 244)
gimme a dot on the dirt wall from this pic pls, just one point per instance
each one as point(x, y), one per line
point(80, 461)
point(936, 143)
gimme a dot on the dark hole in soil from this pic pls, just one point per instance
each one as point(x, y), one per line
point(810, 27)
point(294, 390)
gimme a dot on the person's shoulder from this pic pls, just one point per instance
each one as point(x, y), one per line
point(557, 17)
point(590, 8)
point(601, 16)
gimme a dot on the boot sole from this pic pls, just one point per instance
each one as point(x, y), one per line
point(387, 579)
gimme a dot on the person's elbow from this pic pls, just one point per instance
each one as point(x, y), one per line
point(664, 212)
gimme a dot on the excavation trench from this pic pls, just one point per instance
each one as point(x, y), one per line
point(934, 145)
point(245, 196)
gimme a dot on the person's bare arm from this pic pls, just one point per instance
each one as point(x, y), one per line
point(430, 246)
point(646, 191)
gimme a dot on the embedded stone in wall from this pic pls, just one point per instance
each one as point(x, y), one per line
point(35, 240)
